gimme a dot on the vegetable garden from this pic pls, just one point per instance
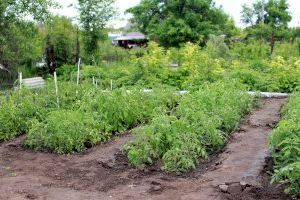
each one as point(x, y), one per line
point(180, 131)
point(181, 117)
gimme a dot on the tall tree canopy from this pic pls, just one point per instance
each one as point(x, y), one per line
point(94, 15)
point(173, 22)
point(267, 19)
point(59, 36)
point(16, 32)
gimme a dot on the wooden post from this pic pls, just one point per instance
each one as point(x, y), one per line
point(20, 79)
point(78, 71)
point(93, 80)
point(56, 88)
point(111, 85)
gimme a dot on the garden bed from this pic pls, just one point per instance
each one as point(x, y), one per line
point(103, 172)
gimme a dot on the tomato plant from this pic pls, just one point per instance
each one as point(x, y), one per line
point(199, 125)
point(285, 146)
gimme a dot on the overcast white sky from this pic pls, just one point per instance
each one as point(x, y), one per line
point(232, 7)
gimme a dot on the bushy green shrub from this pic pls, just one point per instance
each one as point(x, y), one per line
point(17, 110)
point(170, 139)
point(198, 127)
point(290, 175)
point(65, 132)
point(276, 75)
point(285, 145)
point(119, 110)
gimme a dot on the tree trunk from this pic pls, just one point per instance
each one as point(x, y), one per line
point(50, 56)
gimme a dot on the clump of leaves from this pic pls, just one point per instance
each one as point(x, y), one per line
point(16, 110)
point(65, 132)
point(197, 127)
point(167, 138)
point(120, 110)
point(285, 145)
point(289, 175)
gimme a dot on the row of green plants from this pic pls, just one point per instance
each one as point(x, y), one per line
point(250, 64)
point(285, 146)
point(84, 116)
point(198, 126)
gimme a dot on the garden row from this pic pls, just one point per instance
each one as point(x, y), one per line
point(285, 145)
point(85, 115)
point(199, 126)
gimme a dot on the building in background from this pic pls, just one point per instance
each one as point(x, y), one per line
point(129, 40)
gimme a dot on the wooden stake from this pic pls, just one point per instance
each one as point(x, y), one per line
point(20, 80)
point(56, 89)
point(78, 71)
point(111, 84)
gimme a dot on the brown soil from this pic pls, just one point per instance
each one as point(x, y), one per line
point(103, 172)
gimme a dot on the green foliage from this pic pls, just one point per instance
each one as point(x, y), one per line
point(177, 22)
point(198, 127)
point(285, 146)
point(167, 138)
point(248, 63)
point(108, 53)
point(16, 111)
point(268, 20)
point(17, 34)
point(59, 35)
point(64, 132)
point(290, 174)
point(250, 50)
point(277, 75)
point(121, 110)
point(287, 49)
point(94, 15)
point(217, 48)
point(85, 115)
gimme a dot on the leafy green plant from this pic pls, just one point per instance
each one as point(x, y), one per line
point(197, 127)
point(289, 175)
point(285, 145)
point(17, 110)
point(65, 132)
point(88, 115)
point(119, 110)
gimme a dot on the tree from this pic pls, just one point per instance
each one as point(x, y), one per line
point(17, 35)
point(267, 19)
point(94, 15)
point(60, 37)
point(173, 22)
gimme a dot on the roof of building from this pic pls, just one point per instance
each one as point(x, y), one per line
point(132, 36)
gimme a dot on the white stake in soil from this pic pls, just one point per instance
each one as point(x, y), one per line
point(20, 80)
point(78, 71)
point(56, 88)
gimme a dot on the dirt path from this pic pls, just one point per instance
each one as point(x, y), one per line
point(103, 172)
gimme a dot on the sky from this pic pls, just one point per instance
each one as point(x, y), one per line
point(231, 7)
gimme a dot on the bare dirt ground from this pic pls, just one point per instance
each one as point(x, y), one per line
point(103, 172)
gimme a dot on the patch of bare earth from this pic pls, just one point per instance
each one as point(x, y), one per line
point(103, 172)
